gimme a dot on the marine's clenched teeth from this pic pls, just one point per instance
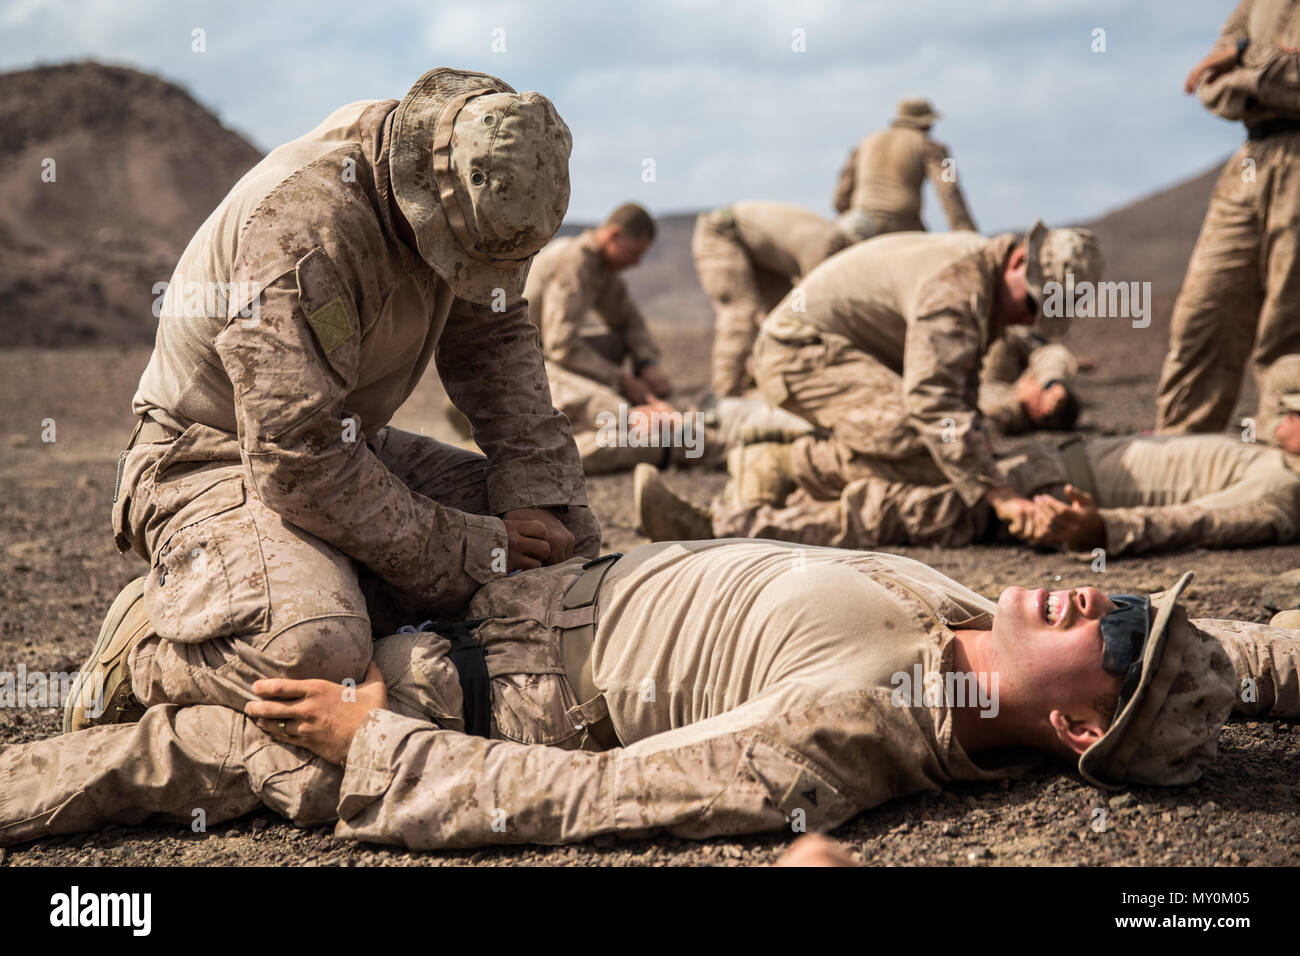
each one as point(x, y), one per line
point(1056, 603)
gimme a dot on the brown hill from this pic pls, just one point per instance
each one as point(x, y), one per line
point(139, 164)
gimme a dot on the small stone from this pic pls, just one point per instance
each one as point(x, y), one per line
point(732, 852)
point(1185, 812)
point(1209, 807)
point(261, 823)
point(1120, 800)
point(234, 833)
point(950, 830)
point(979, 853)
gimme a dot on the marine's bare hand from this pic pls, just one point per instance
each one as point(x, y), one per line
point(317, 714)
point(537, 537)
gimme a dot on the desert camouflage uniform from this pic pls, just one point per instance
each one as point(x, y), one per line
point(1154, 494)
point(883, 177)
point(281, 518)
point(569, 281)
point(767, 708)
point(747, 256)
point(1243, 281)
point(882, 353)
point(1020, 351)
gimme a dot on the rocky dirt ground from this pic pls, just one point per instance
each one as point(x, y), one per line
point(59, 572)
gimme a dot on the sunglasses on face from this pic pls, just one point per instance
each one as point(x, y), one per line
point(1124, 631)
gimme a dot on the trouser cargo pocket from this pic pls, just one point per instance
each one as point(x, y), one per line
point(208, 578)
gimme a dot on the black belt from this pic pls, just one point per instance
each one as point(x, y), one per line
point(1272, 127)
point(470, 658)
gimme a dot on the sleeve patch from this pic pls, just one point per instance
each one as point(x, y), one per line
point(331, 324)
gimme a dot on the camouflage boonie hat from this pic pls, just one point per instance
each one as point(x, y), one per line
point(1283, 380)
point(1169, 729)
point(1065, 256)
point(482, 175)
point(916, 113)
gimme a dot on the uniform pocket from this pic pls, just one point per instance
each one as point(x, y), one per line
point(208, 578)
point(798, 788)
point(533, 709)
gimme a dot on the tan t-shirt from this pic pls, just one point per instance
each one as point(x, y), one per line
point(767, 624)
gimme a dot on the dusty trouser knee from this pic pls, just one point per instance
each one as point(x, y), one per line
point(222, 671)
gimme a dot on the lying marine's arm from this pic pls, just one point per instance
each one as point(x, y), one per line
point(1262, 509)
point(751, 769)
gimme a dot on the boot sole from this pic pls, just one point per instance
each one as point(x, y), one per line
point(112, 621)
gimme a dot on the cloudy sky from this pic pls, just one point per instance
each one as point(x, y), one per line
point(712, 90)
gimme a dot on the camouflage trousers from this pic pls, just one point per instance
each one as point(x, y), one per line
point(742, 294)
point(236, 593)
point(856, 404)
point(878, 512)
point(1241, 291)
point(178, 760)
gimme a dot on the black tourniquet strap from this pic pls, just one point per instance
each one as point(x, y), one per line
point(470, 659)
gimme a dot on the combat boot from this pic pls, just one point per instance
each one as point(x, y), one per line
point(102, 692)
point(663, 515)
point(760, 474)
